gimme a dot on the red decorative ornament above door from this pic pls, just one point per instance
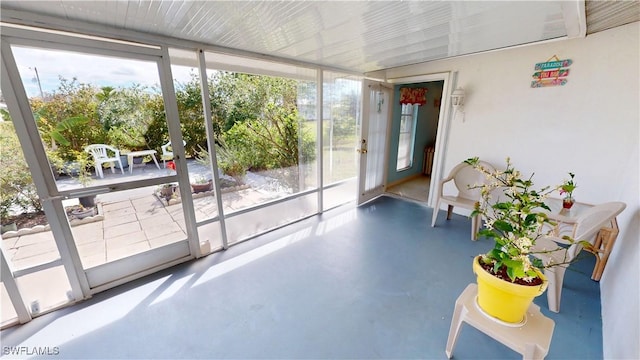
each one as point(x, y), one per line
point(417, 96)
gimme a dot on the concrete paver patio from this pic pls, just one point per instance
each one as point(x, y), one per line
point(133, 221)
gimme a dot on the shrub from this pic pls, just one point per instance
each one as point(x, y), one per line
point(70, 102)
point(271, 141)
point(227, 162)
point(17, 191)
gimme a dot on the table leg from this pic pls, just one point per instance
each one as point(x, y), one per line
point(607, 238)
point(602, 247)
point(155, 161)
point(130, 164)
point(459, 313)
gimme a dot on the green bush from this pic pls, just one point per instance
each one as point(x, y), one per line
point(191, 116)
point(157, 133)
point(125, 116)
point(17, 191)
point(255, 116)
point(69, 113)
point(127, 138)
point(272, 141)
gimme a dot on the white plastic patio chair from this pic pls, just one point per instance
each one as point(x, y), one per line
point(463, 176)
point(167, 152)
point(586, 227)
point(104, 154)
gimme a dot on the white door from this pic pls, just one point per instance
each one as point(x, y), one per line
point(146, 237)
point(376, 112)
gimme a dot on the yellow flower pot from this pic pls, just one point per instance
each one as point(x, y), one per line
point(505, 300)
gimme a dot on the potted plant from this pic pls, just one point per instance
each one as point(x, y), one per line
point(515, 217)
point(81, 212)
point(80, 168)
point(167, 191)
point(566, 189)
point(201, 184)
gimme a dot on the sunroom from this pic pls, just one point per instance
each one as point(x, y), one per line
point(291, 112)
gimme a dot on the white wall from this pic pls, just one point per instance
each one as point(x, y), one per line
point(590, 126)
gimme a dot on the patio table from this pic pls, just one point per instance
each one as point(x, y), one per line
point(566, 225)
point(140, 153)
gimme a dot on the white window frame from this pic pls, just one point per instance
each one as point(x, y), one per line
point(408, 125)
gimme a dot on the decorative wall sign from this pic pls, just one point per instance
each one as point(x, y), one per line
point(552, 72)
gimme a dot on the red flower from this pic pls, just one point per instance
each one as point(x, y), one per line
point(171, 165)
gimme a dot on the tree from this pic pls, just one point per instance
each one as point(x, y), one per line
point(192, 124)
point(125, 116)
point(273, 141)
point(71, 100)
point(237, 97)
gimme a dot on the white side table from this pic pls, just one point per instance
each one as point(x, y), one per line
point(134, 154)
point(532, 339)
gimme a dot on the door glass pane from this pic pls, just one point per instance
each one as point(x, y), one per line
point(8, 313)
point(265, 126)
point(341, 122)
point(45, 289)
point(26, 239)
point(125, 223)
point(210, 236)
point(104, 129)
point(249, 224)
point(194, 133)
point(115, 106)
point(189, 97)
point(377, 133)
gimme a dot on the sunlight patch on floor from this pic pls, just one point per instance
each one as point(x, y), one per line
point(248, 257)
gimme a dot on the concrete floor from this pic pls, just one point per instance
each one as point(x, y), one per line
point(355, 283)
point(416, 188)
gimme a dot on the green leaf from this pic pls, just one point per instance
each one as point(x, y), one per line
point(503, 226)
point(59, 138)
point(487, 233)
point(537, 263)
point(514, 252)
point(495, 254)
point(532, 273)
point(503, 206)
point(71, 122)
point(530, 219)
point(472, 161)
point(513, 263)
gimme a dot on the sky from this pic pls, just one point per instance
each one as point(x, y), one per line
point(92, 69)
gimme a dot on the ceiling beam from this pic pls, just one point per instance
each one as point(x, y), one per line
point(575, 18)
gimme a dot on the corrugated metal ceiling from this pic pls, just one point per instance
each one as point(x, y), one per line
point(355, 36)
point(603, 15)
